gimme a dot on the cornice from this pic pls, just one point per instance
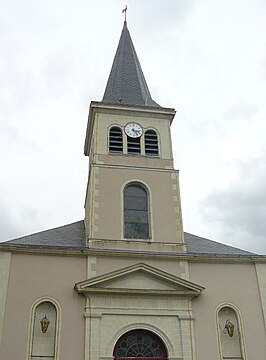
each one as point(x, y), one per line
point(132, 167)
point(84, 252)
point(135, 108)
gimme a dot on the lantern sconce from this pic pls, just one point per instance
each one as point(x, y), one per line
point(229, 328)
point(44, 324)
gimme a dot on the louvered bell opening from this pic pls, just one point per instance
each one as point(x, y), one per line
point(151, 143)
point(115, 140)
point(133, 145)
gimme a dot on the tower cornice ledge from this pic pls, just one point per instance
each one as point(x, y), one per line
point(143, 108)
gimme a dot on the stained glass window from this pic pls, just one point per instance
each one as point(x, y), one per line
point(136, 219)
point(139, 344)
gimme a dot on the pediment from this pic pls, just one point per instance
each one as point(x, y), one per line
point(140, 279)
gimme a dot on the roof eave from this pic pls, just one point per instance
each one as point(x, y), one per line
point(70, 250)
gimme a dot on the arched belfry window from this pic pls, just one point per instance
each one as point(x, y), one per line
point(133, 145)
point(151, 143)
point(136, 217)
point(115, 140)
point(139, 344)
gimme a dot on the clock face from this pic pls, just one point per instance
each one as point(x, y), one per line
point(133, 130)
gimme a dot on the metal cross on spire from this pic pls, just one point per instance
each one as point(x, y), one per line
point(125, 11)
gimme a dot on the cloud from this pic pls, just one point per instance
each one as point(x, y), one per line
point(241, 110)
point(205, 58)
point(239, 210)
point(8, 225)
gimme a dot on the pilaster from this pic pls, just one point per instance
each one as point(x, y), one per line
point(5, 259)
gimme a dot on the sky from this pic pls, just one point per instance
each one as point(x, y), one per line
point(205, 58)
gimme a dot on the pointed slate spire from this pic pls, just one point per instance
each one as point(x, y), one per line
point(126, 84)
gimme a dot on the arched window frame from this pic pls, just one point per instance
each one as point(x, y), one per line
point(147, 333)
point(144, 187)
point(116, 147)
point(240, 329)
point(151, 146)
point(31, 324)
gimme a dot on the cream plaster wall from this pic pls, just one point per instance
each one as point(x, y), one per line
point(106, 118)
point(106, 220)
point(110, 172)
point(35, 276)
point(227, 283)
point(104, 265)
point(4, 275)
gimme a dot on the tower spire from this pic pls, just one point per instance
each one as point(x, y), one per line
point(126, 83)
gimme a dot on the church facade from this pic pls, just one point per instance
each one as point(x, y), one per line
point(127, 281)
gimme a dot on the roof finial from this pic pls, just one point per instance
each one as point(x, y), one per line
point(125, 11)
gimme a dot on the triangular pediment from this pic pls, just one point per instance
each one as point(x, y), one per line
point(139, 279)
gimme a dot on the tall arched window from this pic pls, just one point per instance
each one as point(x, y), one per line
point(230, 334)
point(139, 344)
point(136, 217)
point(151, 143)
point(44, 331)
point(115, 140)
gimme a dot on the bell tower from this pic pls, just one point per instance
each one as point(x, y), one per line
point(132, 199)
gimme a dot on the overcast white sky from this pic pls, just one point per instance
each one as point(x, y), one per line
point(206, 58)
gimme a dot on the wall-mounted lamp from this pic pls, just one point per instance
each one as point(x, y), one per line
point(44, 324)
point(229, 328)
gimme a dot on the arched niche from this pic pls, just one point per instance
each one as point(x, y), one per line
point(230, 333)
point(44, 331)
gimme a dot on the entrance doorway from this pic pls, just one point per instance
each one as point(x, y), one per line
point(140, 344)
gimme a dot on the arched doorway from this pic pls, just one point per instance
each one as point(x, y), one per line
point(140, 344)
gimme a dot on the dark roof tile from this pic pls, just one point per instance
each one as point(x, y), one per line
point(73, 236)
point(126, 83)
point(198, 245)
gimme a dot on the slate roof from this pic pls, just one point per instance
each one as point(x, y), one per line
point(72, 236)
point(126, 84)
point(200, 245)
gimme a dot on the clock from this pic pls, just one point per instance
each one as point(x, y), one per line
point(133, 130)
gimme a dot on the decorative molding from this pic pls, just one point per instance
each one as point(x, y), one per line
point(174, 285)
point(201, 258)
